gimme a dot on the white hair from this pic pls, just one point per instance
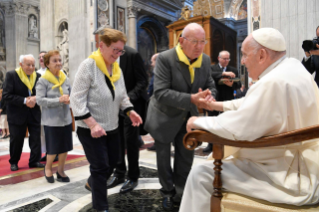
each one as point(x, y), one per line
point(21, 58)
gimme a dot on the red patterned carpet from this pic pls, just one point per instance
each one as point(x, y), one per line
point(25, 173)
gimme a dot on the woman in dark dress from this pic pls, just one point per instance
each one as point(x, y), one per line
point(53, 91)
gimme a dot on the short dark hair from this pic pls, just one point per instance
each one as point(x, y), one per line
point(317, 28)
point(46, 58)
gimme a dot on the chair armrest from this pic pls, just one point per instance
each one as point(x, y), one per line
point(194, 138)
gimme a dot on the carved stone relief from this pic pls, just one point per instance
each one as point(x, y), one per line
point(121, 19)
point(255, 11)
point(103, 12)
point(33, 26)
point(63, 47)
point(213, 8)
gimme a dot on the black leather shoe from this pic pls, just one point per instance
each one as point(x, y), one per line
point(128, 186)
point(62, 179)
point(114, 181)
point(44, 158)
point(209, 148)
point(88, 187)
point(14, 167)
point(152, 148)
point(168, 204)
point(49, 179)
point(37, 165)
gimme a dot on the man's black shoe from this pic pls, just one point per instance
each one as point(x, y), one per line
point(88, 187)
point(44, 158)
point(37, 165)
point(152, 148)
point(168, 204)
point(14, 167)
point(128, 186)
point(114, 181)
point(209, 148)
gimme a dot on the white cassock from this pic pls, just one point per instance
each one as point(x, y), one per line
point(43, 145)
point(284, 98)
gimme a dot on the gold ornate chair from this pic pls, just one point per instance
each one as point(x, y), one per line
point(230, 202)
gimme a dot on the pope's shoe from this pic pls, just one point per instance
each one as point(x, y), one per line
point(128, 186)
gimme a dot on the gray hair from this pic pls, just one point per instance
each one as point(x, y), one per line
point(224, 51)
point(21, 58)
point(189, 26)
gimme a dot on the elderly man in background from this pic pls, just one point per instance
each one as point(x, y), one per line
point(22, 111)
point(179, 74)
point(222, 74)
point(284, 98)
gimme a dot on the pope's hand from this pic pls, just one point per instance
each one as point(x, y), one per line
point(190, 123)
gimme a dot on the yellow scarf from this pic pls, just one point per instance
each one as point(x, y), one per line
point(182, 57)
point(51, 78)
point(23, 77)
point(116, 71)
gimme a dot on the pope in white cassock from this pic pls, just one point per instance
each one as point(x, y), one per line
point(284, 98)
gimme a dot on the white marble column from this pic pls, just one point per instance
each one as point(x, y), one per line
point(132, 37)
point(47, 25)
point(16, 24)
point(79, 42)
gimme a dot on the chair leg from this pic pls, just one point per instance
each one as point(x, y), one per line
point(217, 195)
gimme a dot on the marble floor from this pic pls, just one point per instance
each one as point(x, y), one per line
point(29, 191)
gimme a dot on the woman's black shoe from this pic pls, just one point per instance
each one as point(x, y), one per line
point(49, 179)
point(62, 179)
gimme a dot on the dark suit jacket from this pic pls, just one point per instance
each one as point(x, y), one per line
point(224, 92)
point(312, 65)
point(135, 76)
point(136, 81)
point(170, 104)
point(14, 92)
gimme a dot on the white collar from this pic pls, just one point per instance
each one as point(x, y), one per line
point(271, 67)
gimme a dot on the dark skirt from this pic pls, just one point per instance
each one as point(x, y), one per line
point(58, 139)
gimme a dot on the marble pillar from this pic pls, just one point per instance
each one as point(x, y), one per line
point(132, 37)
point(79, 34)
point(47, 25)
point(16, 22)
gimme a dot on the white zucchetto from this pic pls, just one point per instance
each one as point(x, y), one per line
point(270, 38)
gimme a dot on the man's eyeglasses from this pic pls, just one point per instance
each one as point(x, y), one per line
point(195, 42)
point(116, 51)
point(40, 57)
point(226, 59)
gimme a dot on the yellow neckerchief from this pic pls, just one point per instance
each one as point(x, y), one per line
point(116, 71)
point(23, 77)
point(51, 78)
point(182, 57)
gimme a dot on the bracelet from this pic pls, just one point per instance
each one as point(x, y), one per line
point(93, 126)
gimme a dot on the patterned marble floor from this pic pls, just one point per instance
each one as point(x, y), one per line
point(33, 193)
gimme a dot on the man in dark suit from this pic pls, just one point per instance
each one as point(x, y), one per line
point(180, 73)
point(22, 111)
point(311, 60)
point(136, 82)
point(225, 87)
